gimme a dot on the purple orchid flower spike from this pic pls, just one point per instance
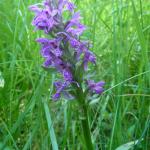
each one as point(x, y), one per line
point(63, 50)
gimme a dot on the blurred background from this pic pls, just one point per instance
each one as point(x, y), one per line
point(120, 33)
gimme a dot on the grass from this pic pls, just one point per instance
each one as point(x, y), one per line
point(120, 33)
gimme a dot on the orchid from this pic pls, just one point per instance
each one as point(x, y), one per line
point(64, 50)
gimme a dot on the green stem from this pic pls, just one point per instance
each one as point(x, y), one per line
point(85, 120)
point(86, 129)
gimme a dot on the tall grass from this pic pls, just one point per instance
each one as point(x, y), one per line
point(120, 33)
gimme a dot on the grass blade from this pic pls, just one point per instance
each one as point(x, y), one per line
point(50, 127)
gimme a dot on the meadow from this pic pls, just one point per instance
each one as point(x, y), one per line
point(30, 120)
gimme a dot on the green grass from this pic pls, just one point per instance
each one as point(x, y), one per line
point(120, 33)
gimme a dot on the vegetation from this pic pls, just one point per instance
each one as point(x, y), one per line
point(120, 33)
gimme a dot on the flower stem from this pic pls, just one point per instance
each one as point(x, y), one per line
point(86, 129)
point(85, 120)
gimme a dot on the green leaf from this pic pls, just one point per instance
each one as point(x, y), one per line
point(4, 148)
point(50, 127)
point(128, 146)
point(2, 81)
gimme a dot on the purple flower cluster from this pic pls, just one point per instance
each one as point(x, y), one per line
point(64, 49)
point(96, 87)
